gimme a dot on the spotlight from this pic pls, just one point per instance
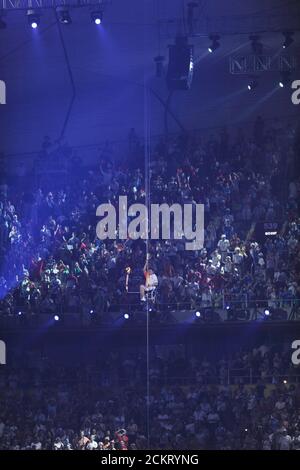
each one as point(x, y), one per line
point(285, 78)
point(56, 317)
point(126, 316)
point(215, 42)
point(288, 39)
point(33, 19)
point(285, 381)
point(91, 311)
point(252, 85)
point(97, 17)
point(198, 314)
point(256, 45)
point(63, 15)
point(227, 307)
point(267, 312)
point(20, 313)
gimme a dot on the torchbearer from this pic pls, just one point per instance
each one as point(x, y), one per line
point(151, 280)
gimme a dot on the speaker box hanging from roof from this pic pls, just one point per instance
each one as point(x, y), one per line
point(180, 67)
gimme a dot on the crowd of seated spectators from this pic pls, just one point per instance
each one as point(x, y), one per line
point(103, 405)
point(52, 261)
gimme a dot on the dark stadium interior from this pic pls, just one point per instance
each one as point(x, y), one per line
point(141, 344)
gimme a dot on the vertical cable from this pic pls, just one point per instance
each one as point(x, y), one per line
point(157, 14)
point(70, 73)
point(147, 201)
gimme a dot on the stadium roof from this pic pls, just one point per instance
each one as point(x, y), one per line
point(110, 65)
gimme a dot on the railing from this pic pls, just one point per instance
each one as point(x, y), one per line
point(90, 152)
point(234, 377)
point(222, 311)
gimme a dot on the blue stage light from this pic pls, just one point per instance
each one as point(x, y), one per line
point(285, 78)
point(97, 17)
point(252, 85)
point(56, 317)
point(33, 19)
point(288, 39)
point(215, 43)
point(63, 15)
point(126, 316)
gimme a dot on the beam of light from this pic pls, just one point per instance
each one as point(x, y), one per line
point(97, 17)
point(33, 18)
point(251, 109)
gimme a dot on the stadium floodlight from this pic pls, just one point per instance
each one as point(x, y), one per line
point(64, 16)
point(215, 42)
point(33, 18)
point(288, 39)
point(97, 17)
point(285, 78)
point(252, 85)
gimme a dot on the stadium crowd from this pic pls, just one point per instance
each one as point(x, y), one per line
point(52, 261)
point(103, 405)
